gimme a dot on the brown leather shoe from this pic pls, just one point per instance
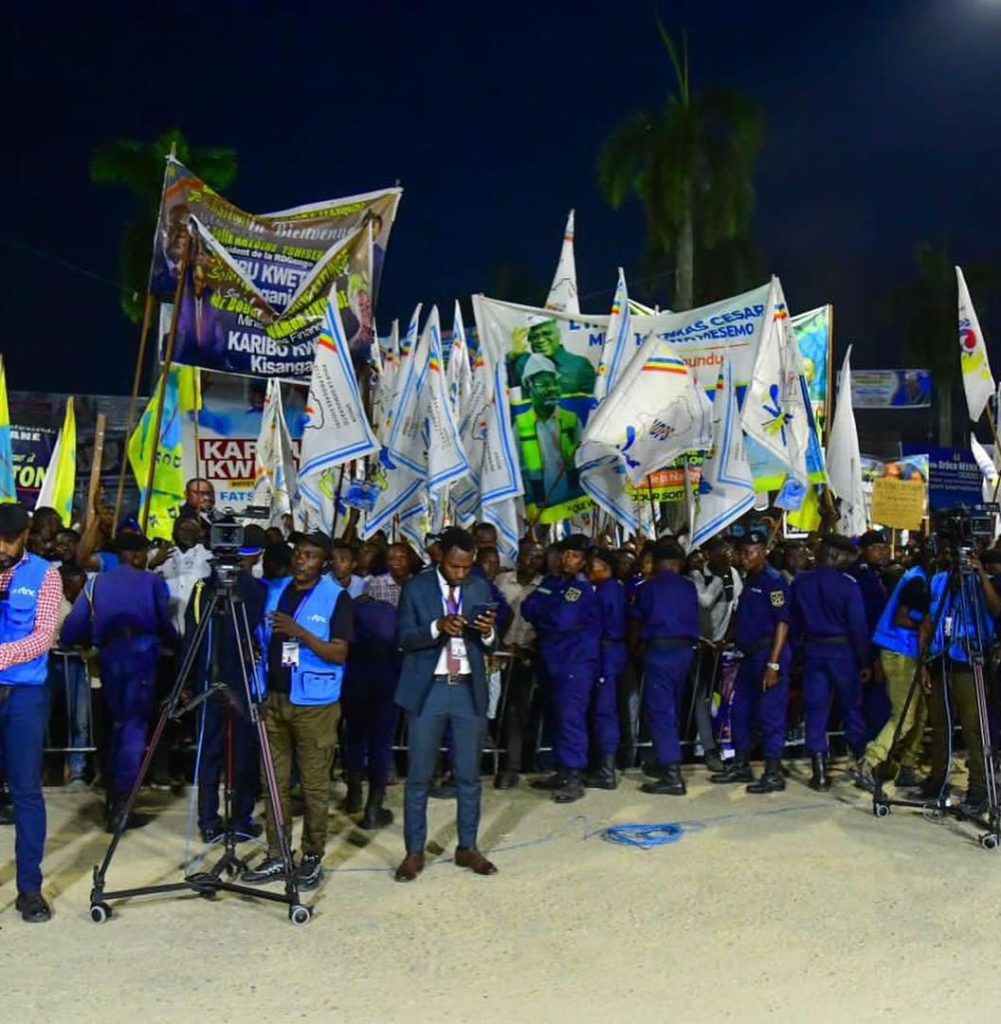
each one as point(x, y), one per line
point(410, 867)
point(475, 861)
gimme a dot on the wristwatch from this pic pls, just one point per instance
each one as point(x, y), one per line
point(773, 665)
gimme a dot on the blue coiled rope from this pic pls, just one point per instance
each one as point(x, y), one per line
point(644, 836)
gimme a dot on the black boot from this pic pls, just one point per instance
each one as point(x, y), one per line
point(738, 770)
point(571, 790)
point(820, 780)
point(554, 781)
point(352, 802)
point(669, 783)
point(714, 762)
point(376, 816)
point(772, 781)
point(604, 777)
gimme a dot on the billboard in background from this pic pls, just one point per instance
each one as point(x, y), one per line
point(891, 389)
point(257, 284)
point(32, 449)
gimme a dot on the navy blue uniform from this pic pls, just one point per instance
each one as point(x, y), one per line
point(829, 627)
point(612, 663)
point(668, 608)
point(125, 613)
point(875, 699)
point(763, 604)
point(566, 615)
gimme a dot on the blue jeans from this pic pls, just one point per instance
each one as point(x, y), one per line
point(23, 718)
point(445, 705)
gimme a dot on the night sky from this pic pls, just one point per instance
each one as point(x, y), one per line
point(883, 128)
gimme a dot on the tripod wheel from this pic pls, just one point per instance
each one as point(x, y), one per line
point(299, 915)
point(100, 912)
point(881, 810)
point(989, 841)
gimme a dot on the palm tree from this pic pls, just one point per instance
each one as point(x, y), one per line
point(690, 165)
point(139, 167)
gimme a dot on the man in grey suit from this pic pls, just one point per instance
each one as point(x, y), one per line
point(446, 628)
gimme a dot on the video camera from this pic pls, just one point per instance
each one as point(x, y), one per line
point(960, 530)
point(225, 541)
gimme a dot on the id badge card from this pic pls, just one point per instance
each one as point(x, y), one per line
point(290, 654)
point(457, 647)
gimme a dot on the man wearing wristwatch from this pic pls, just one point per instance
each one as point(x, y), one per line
point(760, 628)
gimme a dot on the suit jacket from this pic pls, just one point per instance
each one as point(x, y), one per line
point(420, 605)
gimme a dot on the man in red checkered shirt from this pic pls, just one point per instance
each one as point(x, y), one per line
point(30, 594)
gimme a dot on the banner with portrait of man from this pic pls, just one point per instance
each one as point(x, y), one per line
point(256, 288)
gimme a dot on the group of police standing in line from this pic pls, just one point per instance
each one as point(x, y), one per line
point(589, 626)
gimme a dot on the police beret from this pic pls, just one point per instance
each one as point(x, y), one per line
point(838, 543)
point(131, 541)
point(753, 537)
point(606, 555)
point(254, 540)
point(13, 519)
point(575, 542)
point(667, 549)
point(871, 537)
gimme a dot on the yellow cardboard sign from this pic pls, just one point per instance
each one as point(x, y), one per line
point(898, 503)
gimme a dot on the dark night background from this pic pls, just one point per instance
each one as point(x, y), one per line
point(883, 128)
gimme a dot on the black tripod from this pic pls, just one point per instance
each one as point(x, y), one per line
point(224, 605)
point(964, 597)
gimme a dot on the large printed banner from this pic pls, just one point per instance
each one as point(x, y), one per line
point(552, 361)
point(891, 389)
point(257, 286)
point(32, 448)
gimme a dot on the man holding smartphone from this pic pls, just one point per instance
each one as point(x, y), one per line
point(446, 629)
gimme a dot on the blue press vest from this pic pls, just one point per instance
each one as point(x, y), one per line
point(17, 620)
point(314, 681)
point(961, 626)
point(892, 637)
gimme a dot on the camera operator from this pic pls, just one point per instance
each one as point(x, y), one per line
point(964, 625)
point(219, 661)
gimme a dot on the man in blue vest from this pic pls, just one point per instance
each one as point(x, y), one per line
point(304, 643)
point(902, 638)
point(30, 595)
point(446, 629)
point(829, 628)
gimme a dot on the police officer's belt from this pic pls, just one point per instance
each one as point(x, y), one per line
point(761, 645)
point(125, 633)
point(668, 643)
point(452, 680)
point(839, 639)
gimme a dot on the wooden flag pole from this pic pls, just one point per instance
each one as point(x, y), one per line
point(130, 420)
point(95, 467)
point(161, 388)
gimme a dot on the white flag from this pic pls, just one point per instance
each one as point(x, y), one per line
point(460, 374)
point(384, 388)
point(410, 338)
point(619, 347)
point(275, 479)
point(563, 293)
point(988, 470)
point(507, 517)
point(446, 460)
point(336, 428)
point(656, 413)
point(844, 463)
point(977, 379)
point(775, 412)
point(726, 490)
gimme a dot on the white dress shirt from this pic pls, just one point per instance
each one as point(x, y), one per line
point(458, 642)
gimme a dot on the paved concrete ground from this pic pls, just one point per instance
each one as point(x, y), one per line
point(791, 907)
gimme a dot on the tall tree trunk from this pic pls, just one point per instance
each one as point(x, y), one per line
point(684, 273)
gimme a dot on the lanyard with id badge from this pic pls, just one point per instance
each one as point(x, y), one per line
point(456, 648)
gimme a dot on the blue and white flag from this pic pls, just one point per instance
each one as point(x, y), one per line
point(445, 458)
point(726, 490)
point(336, 428)
point(507, 517)
point(619, 346)
point(275, 477)
point(460, 374)
point(563, 292)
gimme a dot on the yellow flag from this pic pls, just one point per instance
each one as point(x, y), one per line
point(60, 477)
point(189, 388)
point(8, 490)
point(807, 516)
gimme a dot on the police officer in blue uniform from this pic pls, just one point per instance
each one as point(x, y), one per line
point(611, 596)
point(829, 629)
point(565, 613)
point(760, 629)
point(666, 616)
point(125, 613)
point(874, 556)
point(30, 592)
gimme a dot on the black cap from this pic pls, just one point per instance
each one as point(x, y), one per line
point(13, 519)
point(667, 549)
point(254, 540)
point(575, 542)
point(608, 556)
point(753, 537)
point(318, 539)
point(838, 543)
point(871, 537)
point(130, 541)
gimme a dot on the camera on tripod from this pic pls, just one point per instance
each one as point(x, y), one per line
point(959, 530)
point(225, 541)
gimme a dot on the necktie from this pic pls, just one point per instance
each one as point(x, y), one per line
point(452, 662)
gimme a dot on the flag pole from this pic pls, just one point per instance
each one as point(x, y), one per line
point(130, 419)
point(95, 467)
point(182, 273)
point(337, 501)
point(653, 505)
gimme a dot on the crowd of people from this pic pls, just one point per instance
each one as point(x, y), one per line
point(560, 666)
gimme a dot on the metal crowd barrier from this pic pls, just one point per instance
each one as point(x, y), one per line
point(70, 682)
